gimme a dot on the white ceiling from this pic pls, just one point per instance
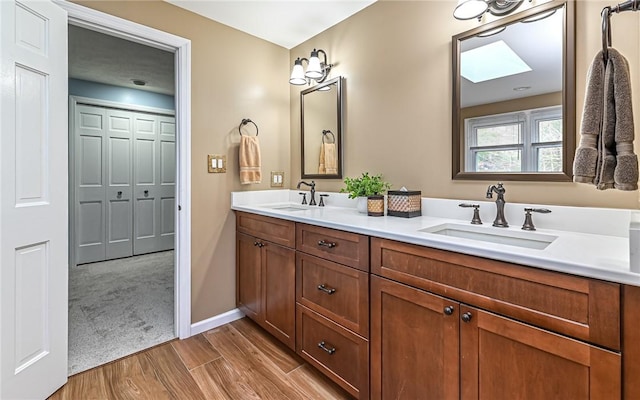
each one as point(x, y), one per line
point(285, 23)
point(106, 59)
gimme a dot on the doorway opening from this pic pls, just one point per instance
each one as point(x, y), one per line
point(176, 262)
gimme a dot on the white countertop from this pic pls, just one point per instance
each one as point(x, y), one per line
point(599, 248)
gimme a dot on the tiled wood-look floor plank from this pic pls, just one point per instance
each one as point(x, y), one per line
point(240, 362)
point(262, 375)
point(89, 385)
point(218, 380)
point(314, 385)
point(163, 363)
point(277, 352)
point(195, 351)
point(126, 381)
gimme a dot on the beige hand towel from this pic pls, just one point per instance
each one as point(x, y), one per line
point(328, 159)
point(250, 160)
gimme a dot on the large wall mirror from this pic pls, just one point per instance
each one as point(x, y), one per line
point(321, 130)
point(514, 97)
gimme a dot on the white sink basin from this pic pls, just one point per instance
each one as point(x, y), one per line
point(529, 240)
point(288, 207)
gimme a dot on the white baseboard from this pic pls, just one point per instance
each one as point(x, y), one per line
point(216, 321)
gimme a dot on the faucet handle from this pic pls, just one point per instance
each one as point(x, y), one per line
point(304, 197)
point(322, 196)
point(528, 220)
point(476, 212)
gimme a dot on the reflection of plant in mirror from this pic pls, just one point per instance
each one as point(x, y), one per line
point(364, 186)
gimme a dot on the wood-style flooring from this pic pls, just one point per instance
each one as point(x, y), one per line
point(235, 361)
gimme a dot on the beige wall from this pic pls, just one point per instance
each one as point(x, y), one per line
point(234, 76)
point(396, 58)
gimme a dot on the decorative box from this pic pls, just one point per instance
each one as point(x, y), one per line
point(404, 203)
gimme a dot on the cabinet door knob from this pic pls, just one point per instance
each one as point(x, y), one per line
point(119, 193)
point(330, 245)
point(146, 193)
point(466, 317)
point(448, 310)
point(326, 289)
point(324, 347)
point(259, 244)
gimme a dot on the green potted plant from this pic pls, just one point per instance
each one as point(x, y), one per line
point(363, 187)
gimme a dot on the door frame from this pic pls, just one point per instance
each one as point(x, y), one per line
point(114, 26)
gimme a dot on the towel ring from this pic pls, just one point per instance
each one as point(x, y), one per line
point(326, 132)
point(244, 122)
point(606, 32)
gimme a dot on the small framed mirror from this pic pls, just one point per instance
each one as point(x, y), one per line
point(514, 97)
point(321, 130)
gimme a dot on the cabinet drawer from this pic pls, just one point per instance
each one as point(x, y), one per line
point(338, 292)
point(275, 230)
point(339, 353)
point(342, 247)
point(583, 308)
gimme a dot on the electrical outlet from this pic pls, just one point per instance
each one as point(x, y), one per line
point(216, 163)
point(277, 179)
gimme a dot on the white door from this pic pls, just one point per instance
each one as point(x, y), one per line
point(33, 199)
point(154, 183)
point(90, 208)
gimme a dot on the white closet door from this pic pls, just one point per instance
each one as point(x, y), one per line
point(90, 209)
point(167, 184)
point(34, 199)
point(154, 180)
point(145, 156)
point(119, 189)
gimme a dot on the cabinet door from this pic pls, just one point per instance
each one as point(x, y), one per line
point(279, 292)
point(414, 343)
point(505, 359)
point(248, 276)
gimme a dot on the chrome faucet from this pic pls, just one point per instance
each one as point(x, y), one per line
point(500, 220)
point(312, 185)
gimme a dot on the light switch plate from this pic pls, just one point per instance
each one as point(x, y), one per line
point(216, 163)
point(277, 179)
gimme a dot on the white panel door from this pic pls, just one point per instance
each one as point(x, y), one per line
point(145, 156)
point(167, 182)
point(90, 207)
point(154, 183)
point(119, 190)
point(33, 199)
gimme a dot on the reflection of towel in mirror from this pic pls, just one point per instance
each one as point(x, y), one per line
point(328, 159)
point(605, 156)
point(250, 160)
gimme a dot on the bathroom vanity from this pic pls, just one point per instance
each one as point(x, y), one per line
point(394, 308)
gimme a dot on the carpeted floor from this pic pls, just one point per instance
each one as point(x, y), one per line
point(119, 307)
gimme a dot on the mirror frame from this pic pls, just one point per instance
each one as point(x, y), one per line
point(568, 100)
point(338, 82)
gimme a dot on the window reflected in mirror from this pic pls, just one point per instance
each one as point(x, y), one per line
point(514, 80)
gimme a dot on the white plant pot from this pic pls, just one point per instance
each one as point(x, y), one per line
point(361, 205)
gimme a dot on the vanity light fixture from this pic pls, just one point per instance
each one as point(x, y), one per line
point(316, 70)
point(470, 9)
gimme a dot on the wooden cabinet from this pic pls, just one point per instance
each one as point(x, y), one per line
point(266, 274)
point(332, 293)
point(414, 343)
point(500, 356)
point(422, 343)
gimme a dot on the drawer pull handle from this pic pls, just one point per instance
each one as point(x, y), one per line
point(259, 244)
point(330, 245)
point(325, 348)
point(326, 289)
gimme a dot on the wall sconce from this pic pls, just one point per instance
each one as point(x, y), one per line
point(316, 70)
point(469, 9)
